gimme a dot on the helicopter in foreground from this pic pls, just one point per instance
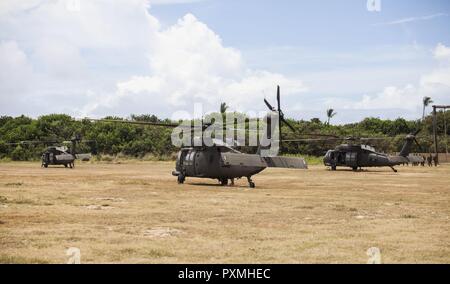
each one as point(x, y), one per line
point(222, 161)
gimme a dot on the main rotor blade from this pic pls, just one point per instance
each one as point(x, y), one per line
point(220, 127)
point(288, 124)
point(32, 142)
point(328, 137)
point(320, 135)
point(269, 105)
point(311, 140)
point(417, 143)
point(278, 98)
point(170, 125)
point(373, 138)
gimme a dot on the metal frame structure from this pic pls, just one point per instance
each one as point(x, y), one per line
point(435, 138)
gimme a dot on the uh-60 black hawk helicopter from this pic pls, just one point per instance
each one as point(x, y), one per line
point(60, 155)
point(358, 155)
point(222, 161)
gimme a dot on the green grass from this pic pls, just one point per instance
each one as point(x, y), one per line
point(14, 184)
point(23, 200)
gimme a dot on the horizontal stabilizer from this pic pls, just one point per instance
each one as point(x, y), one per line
point(250, 160)
point(415, 159)
point(84, 157)
point(286, 162)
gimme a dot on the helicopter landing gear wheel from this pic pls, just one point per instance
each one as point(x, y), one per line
point(250, 182)
point(333, 168)
point(71, 165)
point(65, 165)
point(355, 169)
point(181, 178)
point(223, 181)
point(45, 165)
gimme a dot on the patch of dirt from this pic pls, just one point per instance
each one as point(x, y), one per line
point(116, 199)
point(97, 207)
point(161, 232)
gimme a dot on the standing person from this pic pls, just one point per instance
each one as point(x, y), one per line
point(436, 160)
point(430, 161)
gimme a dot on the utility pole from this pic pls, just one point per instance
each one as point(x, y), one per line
point(435, 138)
point(445, 133)
point(435, 130)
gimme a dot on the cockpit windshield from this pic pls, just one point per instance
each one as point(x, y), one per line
point(368, 148)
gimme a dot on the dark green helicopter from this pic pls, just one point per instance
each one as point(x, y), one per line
point(361, 155)
point(222, 161)
point(60, 155)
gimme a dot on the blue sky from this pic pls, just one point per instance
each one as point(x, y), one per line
point(102, 59)
point(345, 25)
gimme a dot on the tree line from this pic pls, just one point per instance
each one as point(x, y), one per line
point(141, 141)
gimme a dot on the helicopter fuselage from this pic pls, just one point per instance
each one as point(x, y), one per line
point(54, 156)
point(356, 157)
point(362, 156)
point(208, 162)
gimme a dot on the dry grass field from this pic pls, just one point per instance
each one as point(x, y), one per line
point(136, 213)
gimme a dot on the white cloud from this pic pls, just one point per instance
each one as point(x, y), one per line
point(168, 2)
point(442, 52)
point(11, 6)
point(435, 84)
point(412, 19)
point(391, 97)
point(111, 57)
point(72, 52)
point(189, 64)
point(15, 70)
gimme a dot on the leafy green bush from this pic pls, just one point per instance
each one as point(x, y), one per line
point(149, 142)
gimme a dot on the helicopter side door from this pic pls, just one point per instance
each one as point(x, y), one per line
point(351, 159)
point(181, 160)
point(207, 163)
point(339, 158)
point(187, 162)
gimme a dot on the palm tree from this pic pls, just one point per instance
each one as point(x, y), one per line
point(330, 114)
point(426, 102)
point(223, 108)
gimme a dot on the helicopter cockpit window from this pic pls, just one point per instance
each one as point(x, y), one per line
point(368, 148)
